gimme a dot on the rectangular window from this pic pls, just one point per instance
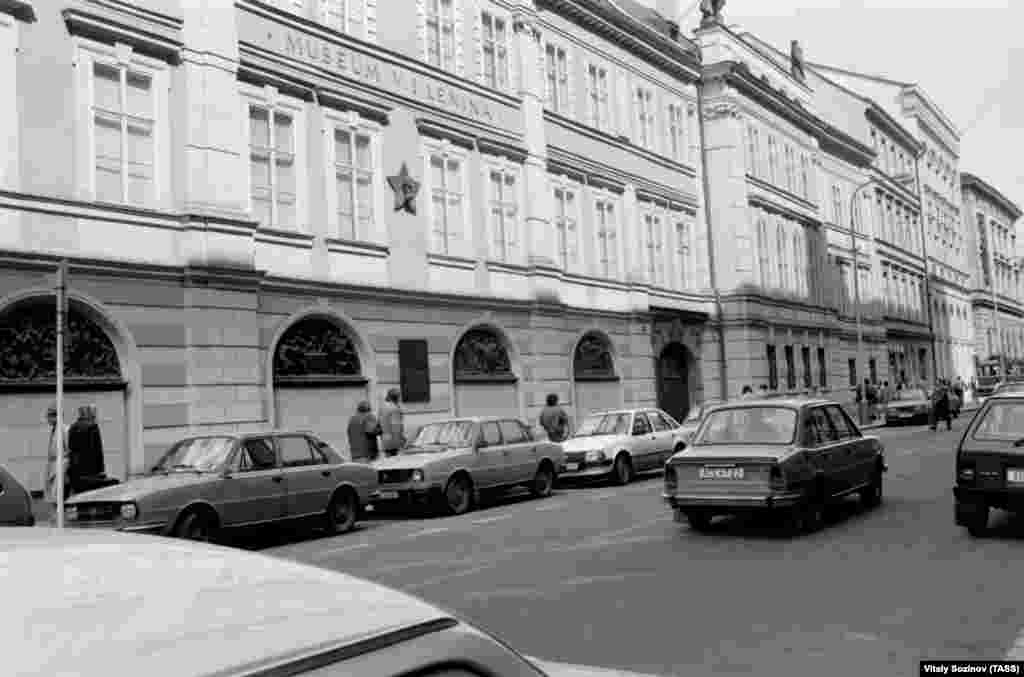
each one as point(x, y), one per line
point(504, 212)
point(751, 151)
point(773, 368)
point(566, 225)
point(773, 160)
point(683, 254)
point(676, 131)
point(123, 115)
point(822, 369)
point(805, 355)
point(495, 51)
point(272, 166)
point(600, 104)
point(441, 33)
point(851, 365)
point(353, 179)
point(837, 206)
point(644, 103)
point(607, 240)
point(447, 193)
point(790, 169)
point(790, 368)
point(805, 184)
point(653, 242)
point(346, 16)
point(557, 79)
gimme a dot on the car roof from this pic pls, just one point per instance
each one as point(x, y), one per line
point(794, 402)
point(161, 607)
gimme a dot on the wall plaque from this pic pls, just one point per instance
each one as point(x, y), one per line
point(414, 370)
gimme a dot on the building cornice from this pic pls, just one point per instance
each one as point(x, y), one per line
point(881, 117)
point(19, 9)
point(979, 185)
point(111, 21)
point(625, 31)
point(916, 91)
point(886, 182)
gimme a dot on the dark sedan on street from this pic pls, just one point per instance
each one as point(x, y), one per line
point(794, 455)
point(990, 463)
point(205, 484)
point(15, 502)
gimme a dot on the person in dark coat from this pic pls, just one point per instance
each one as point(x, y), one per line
point(85, 444)
point(554, 420)
point(363, 429)
point(941, 410)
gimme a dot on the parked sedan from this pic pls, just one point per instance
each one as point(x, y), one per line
point(618, 444)
point(693, 419)
point(15, 502)
point(913, 404)
point(136, 605)
point(795, 455)
point(208, 483)
point(450, 462)
point(990, 463)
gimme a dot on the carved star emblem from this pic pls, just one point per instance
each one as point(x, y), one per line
point(406, 188)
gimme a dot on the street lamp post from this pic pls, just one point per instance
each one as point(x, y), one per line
point(857, 311)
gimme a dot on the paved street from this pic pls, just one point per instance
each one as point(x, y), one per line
point(601, 575)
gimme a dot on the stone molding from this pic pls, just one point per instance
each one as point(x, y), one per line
point(112, 21)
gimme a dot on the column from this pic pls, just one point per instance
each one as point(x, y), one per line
point(10, 125)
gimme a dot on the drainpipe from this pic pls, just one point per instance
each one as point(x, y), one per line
point(927, 270)
point(723, 370)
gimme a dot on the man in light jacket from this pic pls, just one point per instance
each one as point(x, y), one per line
point(392, 424)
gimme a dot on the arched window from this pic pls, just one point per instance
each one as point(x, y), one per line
point(481, 355)
point(28, 348)
point(317, 350)
point(592, 359)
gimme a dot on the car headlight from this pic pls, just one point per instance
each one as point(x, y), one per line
point(71, 513)
point(417, 475)
point(594, 456)
point(129, 511)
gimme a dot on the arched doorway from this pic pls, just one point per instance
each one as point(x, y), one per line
point(28, 383)
point(673, 375)
point(596, 385)
point(318, 379)
point(485, 384)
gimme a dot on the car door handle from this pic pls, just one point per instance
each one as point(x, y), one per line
point(325, 473)
point(278, 478)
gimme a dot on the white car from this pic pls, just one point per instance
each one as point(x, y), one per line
point(112, 604)
point(618, 444)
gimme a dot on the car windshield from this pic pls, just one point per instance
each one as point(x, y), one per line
point(913, 394)
point(604, 424)
point(1001, 421)
point(444, 435)
point(749, 425)
point(203, 454)
point(1014, 387)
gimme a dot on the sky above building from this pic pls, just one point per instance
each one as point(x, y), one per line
point(966, 54)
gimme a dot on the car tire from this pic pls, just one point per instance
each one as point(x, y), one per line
point(871, 495)
point(342, 512)
point(699, 521)
point(458, 495)
point(196, 525)
point(543, 482)
point(977, 523)
point(622, 469)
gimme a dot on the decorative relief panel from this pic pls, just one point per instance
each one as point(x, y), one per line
point(481, 355)
point(316, 349)
point(593, 359)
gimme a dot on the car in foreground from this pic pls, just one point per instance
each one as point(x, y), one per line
point(15, 502)
point(208, 483)
point(689, 426)
point(794, 455)
point(1009, 386)
point(450, 461)
point(618, 444)
point(990, 463)
point(130, 604)
point(911, 405)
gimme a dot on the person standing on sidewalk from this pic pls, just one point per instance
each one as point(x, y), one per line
point(554, 420)
point(940, 407)
point(363, 429)
point(392, 424)
point(54, 448)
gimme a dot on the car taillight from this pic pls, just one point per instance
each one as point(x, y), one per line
point(778, 482)
point(671, 479)
point(965, 472)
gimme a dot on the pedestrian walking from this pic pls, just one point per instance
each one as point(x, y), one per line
point(86, 469)
point(958, 392)
point(363, 429)
point(747, 393)
point(392, 424)
point(941, 408)
point(55, 447)
point(554, 420)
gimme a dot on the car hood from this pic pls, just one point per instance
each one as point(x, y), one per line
point(754, 452)
point(415, 459)
point(569, 670)
point(141, 486)
point(591, 442)
point(905, 404)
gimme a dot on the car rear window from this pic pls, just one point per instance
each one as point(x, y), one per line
point(749, 425)
point(1001, 421)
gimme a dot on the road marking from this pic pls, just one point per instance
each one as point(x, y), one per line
point(456, 574)
point(327, 554)
point(489, 520)
point(587, 580)
point(425, 532)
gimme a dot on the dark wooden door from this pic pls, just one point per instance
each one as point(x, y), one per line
point(674, 381)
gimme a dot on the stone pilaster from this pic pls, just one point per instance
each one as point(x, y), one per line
point(10, 159)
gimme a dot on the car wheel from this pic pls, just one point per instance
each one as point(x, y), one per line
point(458, 495)
point(871, 495)
point(977, 522)
point(543, 482)
point(622, 470)
point(699, 521)
point(341, 512)
point(196, 525)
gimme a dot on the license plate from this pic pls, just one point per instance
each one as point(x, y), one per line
point(386, 495)
point(713, 473)
point(1015, 476)
point(572, 467)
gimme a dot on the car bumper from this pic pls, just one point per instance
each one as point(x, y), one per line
point(151, 528)
point(405, 495)
point(732, 503)
point(1003, 498)
point(586, 470)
